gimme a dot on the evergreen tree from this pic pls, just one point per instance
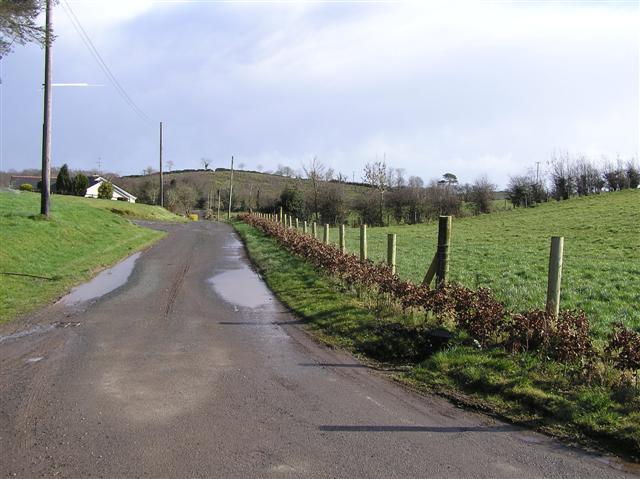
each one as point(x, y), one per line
point(63, 182)
point(80, 185)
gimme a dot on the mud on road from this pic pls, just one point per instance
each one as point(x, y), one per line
point(193, 369)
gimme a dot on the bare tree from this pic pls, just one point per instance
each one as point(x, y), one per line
point(149, 170)
point(205, 162)
point(169, 165)
point(315, 172)
point(375, 175)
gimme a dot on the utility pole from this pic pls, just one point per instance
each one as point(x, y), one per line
point(45, 190)
point(99, 164)
point(537, 172)
point(161, 174)
point(230, 189)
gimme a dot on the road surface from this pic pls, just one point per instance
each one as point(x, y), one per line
point(193, 369)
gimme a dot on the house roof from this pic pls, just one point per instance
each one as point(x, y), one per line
point(96, 179)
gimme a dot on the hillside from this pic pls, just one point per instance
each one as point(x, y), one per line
point(82, 237)
point(508, 252)
point(250, 187)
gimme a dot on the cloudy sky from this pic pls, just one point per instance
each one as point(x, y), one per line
point(471, 87)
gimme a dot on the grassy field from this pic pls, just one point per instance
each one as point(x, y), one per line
point(525, 388)
point(81, 237)
point(508, 252)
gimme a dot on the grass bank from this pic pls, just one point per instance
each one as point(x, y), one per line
point(524, 388)
point(508, 252)
point(81, 237)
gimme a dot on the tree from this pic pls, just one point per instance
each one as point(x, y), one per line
point(149, 170)
point(375, 175)
point(80, 185)
point(482, 192)
point(105, 191)
point(292, 201)
point(633, 174)
point(63, 182)
point(205, 163)
point(18, 23)
point(449, 178)
point(169, 165)
point(314, 172)
point(181, 198)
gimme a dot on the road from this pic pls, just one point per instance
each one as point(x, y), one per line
point(193, 369)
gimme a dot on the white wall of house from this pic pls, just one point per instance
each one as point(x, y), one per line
point(118, 194)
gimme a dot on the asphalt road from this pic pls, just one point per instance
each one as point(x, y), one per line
point(193, 369)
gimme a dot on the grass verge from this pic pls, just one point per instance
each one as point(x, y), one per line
point(522, 388)
point(81, 237)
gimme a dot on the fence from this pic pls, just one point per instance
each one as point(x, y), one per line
point(440, 264)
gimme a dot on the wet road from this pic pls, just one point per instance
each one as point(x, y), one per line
point(193, 369)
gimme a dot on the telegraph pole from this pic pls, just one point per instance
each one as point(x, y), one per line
point(230, 189)
point(161, 175)
point(45, 189)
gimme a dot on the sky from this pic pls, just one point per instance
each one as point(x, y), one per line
point(469, 87)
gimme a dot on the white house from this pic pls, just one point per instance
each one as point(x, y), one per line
point(118, 193)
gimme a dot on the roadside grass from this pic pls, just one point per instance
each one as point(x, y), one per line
point(137, 211)
point(508, 252)
point(524, 388)
point(81, 237)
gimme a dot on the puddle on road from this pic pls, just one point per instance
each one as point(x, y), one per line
point(103, 283)
point(242, 287)
point(38, 329)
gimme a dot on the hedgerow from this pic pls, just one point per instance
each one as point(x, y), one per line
point(565, 337)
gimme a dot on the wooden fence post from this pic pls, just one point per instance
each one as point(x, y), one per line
point(391, 252)
point(555, 275)
point(290, 222)
point(281, 215)
point(363, 242)
point(326, 233)
point(297, 224)
point(342, 240)
point(314, 230)
point(444, 240)
point(305, 227)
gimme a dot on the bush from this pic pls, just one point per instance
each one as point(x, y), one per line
point(80, 185)
point(624, 348)
point(26, 187)
point(63, 182)
point(105, 191)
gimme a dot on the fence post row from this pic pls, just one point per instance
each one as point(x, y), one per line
point(297, 224)
point(314, 230)
point(363, 242)
point(555, 275)
point(391, 252)
point(326, 233)
point(342, 240)
point(290, 222)
point(304, 227)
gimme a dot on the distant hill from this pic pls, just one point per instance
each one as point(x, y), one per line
point(247, 185)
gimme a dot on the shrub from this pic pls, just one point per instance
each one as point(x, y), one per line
point(624, 348)
point(25, 187)
point(529, 331)
point(80, 185)
point(571, 340)
point(105, 191)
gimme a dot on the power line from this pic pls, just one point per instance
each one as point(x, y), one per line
point(101, 63)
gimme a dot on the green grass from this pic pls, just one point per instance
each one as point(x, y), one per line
point(81, 237)
point(508, 252)
point(128, 210)
point(524, 388)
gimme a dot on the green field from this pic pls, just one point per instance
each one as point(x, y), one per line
point(81, 237)
point(508, 252)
